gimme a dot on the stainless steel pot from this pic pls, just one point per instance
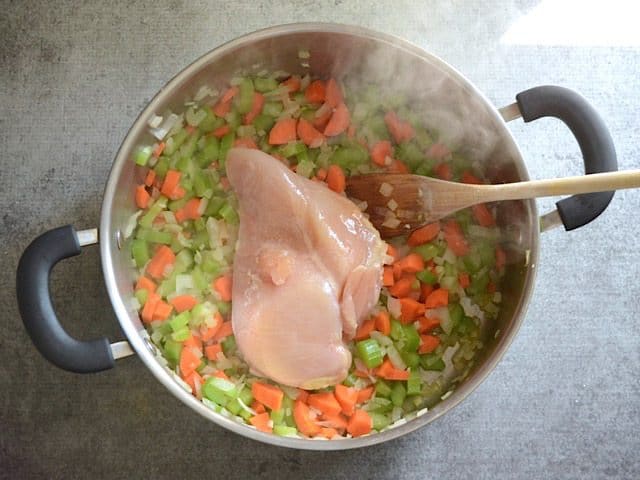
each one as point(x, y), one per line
point(452, 105)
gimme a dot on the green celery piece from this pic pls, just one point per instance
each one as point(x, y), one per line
point(178, 139)
point(245, 415)
point(479, 282)
point(424, 169)
point(427, 276)
point(202, 184)
point(214, 206)
point(181, 334)
point(142, 155)
point(179, 321)
point(299, 98)
point(234, 406)
point(141, 295)
point(427, 251)
point(210, 264)
point(377, 125)
point(466, 325)
point(285, 431)
point(379, 420)
point(154, 236)
point(263, 123)
point(410, 154)
point(140, 252)
point(244, 98)
point(215, 386)
point(432, 361)
point(382, 389)
point(305, 168)
point(456, 312)
point(423, 138)
point(487, 254)
point(303, 156)
point(379, 405)
point(161, 167)
point(369, 352)
point(225, 145)
point(208, 123)
point(147, 219)
point(172, 350)
point(292, 148)
point(246, 396)
point(167, 286)
point(199, 280)
point(189, 148)
point(209, 152)
point(265, 84)
point(350, 381)
point(411, 338)
point(175, 205)
point(228, 213)
point(349, 157)
point(472, 262)
point(277, 416)
point(272, 109)
point(223, 307)
point(211, 391)
point(397, 332)
point(229, 345)
point(411, 359)
point(414, 383)
point(200, 240)
point(398, 393)
point(199, 224)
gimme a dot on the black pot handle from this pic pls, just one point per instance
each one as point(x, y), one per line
point(593, 137)
point(36, 309)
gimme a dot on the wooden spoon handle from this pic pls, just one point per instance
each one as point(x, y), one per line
point(596, 182)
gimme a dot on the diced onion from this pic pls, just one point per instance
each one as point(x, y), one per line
point(391, 222)
point(155, 121)
point(131, 224)
point(385, 189)
point(392, 204)
point(395, 358)
point(394, 306)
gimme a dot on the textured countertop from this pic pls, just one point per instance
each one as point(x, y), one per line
point(563, 403)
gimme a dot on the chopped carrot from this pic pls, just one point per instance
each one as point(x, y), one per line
point(412, 263)
point(193, 341)
point(246, 142)
point(380, 151)
point(162, 311)
point(163, 258)
point(347, 398)
point(425, 291)
point(392, 252)
point(468, 177)
point(256, 108)
point(223, 286)
point(335, 178)
point(149, 307)
point(262, 422)
point(183, 302)
point(225, 330)
point(321, 174)
point(463, 280)
point(257, 407)
point(410, 310)
point(193, 379)
point(302, 417)
point(283, 132)
point(365, 329)
point(224, 105)
point(338, 421)
point(308, 134)
point(159, 149)
point(191, 209)
point(189, 361)
point(389, 372)
point(438, 151)
point(145, 284)
point(387, 276)
point(482, 215)
point(211, 351)
point(400, 130)
point(320, 122)
point(455, 238)
point(303, 395)
point(180, 216)
point(177, 193)
point(426, 324)
point(292, 83)
point(325, 402)
point(229, 94)
point(210, 332)
point(364, 394)
point(428, 343)
point(338, 122)
point(171, 181)
point(424, 234)
point(360, 423)
point(327, 432)
point(221, 374)
point(221, 131)
point(315, 92)
point(397, 167)
point(438, 298)
point(333, 93)
point(150, 178)
point(402, 287)
point(443, 171)
point(269, 395)
point(501, 258)
point(383, 323)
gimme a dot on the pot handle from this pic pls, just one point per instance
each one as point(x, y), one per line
point(36, 309)
point(594, 139)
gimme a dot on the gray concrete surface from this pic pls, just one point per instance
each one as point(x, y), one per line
point(564, 402)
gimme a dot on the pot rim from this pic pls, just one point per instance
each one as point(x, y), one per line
point(142, 346)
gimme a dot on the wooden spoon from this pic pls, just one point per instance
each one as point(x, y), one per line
point(399, 203)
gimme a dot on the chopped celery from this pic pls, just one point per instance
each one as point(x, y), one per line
point(140, 252)
point(285, 431)
point(228, 213)
point(162, 166)
point(244, 98)
point(277, 416)
point(411, 359)
point(214, 206)
point(141, 295)
point(179, 321)
point(305, 168)
point(234, 406)
point(210, 264)
point(147, 219)
point(181, 334)
point(142, 155)
point(382, 388)
point(379, 420)
point(199, 280)
point(178, 139)
point(349, 157)
point(369, 352)
point(229, 345)
point(466, 325)
point(377, 125)
point(379, 405)
point(219, 390)
point(432, 361)
point(272, 109)
point(414, 383)
point(263, 123)
point(154, 236)
point(225, 145)
point(208, 123)
point(246, 396)
point(411, 338)
point(350, 381)
point(410, 154)
point(398, 394)
point(224, 307)
point(209, 152)
point(396, 330)
point(233, 118)
point(427, 276)
point(172, 350)
point(292, 148)
point(265, 84)
point(456, 313)
point(427, 251)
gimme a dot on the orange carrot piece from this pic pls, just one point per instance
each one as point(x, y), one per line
point(221, 131)
point(392, 252)
point(159, 149)
point(397, 167)
point(438, 298)
point(142, 197)
point(455, 238)
point(321, 121)
point(302, 417)
point(177, 193)
point(380, 151)
point(162, 311)
point(338, 122)
point(347, 397)
point(246, 142)
point(412, 263)
point(262, 422)
point(364, 394)
point(482, 215)
point(426, 324)
point(351, 131)
point(308, 134)
point(163, 257)
point(145, 284)
point(389, 372)
point(221, 374)
point(400, 130)
point(256, 108)
point(468, 177)
point(292, 83)
point(303, 395)
point(328, 432)
point(428, 343)
point(425, 291)
point(149, 307)
point(190, 209)
point(183, 302)
point(171, 181)
point(424, 234)
point(269, 395)
point(383, 323)
point(333, 93)
point(401, 287)
point(210, 332)
point(150, 178)
point(229, 94)
point(387, 276)
point(501, 258)
point(336, 179)
point(321, 174)
point(193, 379)
point(193, 341)
point(325, 402)
point(224, 331)
point(438, 151)
point(338, 422)
point(360, 423)
point(411, 309)
point(223, 286)
point(257, 407)
point(365, 329)
point(189, 361)
point(315, 92)
point(211, 351)
point(464, 280)
point(224, 105)
point(283, 132)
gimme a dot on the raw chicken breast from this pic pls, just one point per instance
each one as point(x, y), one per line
point(307, 270)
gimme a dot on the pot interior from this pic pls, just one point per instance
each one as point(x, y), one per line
point(450, 105)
